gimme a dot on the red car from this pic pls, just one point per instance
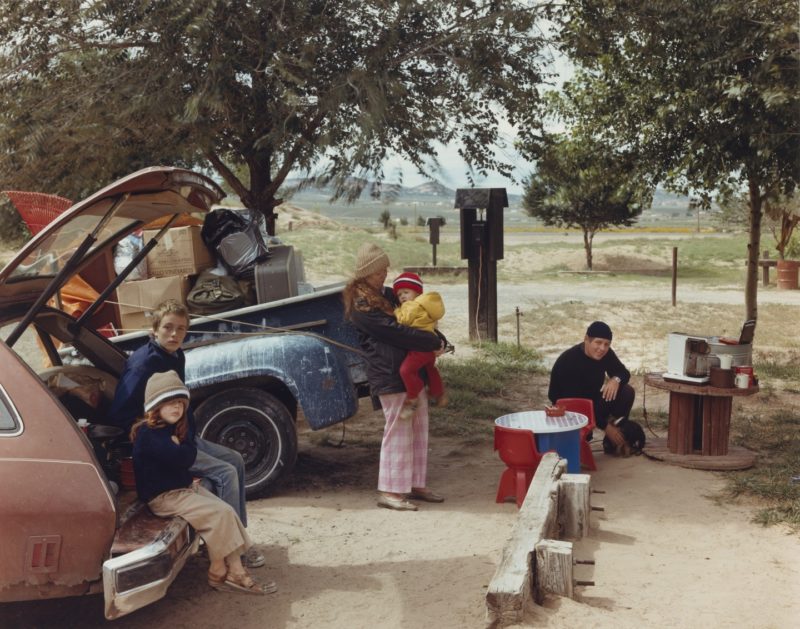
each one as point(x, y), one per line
point(66, 530)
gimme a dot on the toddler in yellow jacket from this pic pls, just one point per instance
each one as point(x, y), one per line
point(423, 311)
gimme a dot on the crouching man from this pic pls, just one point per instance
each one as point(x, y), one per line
point(592, 370)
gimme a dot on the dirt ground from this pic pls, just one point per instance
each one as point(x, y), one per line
point(669, 551)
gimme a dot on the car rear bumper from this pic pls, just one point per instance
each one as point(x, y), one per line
point(142, 576)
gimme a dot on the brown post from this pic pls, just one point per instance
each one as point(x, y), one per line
point(482, 245)
point(433, 225)
point(765, 270)
point(674, 275)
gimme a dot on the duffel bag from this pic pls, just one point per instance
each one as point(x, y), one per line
point(214, 293)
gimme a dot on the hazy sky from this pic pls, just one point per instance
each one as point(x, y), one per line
point(454, 167)
point(454, 175)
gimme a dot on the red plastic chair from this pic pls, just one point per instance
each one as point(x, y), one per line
point(583, 406)
point(517, 449)
point(37, 209)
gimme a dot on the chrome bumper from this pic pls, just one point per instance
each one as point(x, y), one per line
point(143, 576)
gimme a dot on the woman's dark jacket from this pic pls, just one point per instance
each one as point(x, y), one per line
point(386, 342)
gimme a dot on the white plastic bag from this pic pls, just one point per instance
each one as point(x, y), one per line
point(125, 251)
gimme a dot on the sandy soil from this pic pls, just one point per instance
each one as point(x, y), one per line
point(669, 552)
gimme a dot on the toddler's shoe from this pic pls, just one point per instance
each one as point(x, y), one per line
point(441, 401)
point(409, 409)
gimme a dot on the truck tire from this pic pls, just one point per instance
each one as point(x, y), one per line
point(258, 426)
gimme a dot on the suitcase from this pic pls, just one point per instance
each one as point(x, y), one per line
point(277, 277)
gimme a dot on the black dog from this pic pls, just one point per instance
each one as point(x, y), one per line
point(634, 440)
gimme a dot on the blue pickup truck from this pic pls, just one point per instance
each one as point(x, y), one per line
point(251, 370)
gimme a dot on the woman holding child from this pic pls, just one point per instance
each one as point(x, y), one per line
point(404, 449)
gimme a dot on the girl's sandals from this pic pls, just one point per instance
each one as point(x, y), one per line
point(217, 581)
point(241, 583)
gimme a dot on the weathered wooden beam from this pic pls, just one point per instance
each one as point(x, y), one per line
point(574, 505)
point(511, 588)
point(554, 568)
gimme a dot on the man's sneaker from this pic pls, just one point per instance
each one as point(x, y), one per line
point(253, 558)
point(409, 409)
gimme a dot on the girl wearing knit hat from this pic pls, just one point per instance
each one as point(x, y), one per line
point(404, 449)
point(163, 453)
point(423, 311)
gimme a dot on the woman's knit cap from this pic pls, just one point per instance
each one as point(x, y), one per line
point(408, 280)
point(162, 388)
point(370, 259)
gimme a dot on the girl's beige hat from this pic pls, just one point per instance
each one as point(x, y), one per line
point(164, 387)
point(370, 259)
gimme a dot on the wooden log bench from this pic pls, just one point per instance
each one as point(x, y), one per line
point(534, 561)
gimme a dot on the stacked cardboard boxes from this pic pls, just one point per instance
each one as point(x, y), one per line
point(137, 299)
point(181, 253)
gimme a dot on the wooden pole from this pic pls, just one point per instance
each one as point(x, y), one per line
point(674, 275)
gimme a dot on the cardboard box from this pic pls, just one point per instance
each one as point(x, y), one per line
point(180, 252)
point(139, 298)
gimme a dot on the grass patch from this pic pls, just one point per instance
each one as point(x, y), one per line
point(480, 389)
point(776, 438)
point(783, 368)
point(333, 251)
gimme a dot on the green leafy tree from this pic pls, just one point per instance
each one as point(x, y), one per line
point(707, 94)
point(256, 90)
point(582, 183)
point(733, 212)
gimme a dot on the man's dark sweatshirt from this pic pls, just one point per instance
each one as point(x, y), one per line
point(574, 374)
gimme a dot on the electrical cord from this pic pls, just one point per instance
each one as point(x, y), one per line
point(478, 295)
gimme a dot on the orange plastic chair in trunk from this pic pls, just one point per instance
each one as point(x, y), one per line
point(37, 209)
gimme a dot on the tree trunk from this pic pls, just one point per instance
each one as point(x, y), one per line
point(588, 235)
point(263, 188)
point(260, 197)
point(753, 250)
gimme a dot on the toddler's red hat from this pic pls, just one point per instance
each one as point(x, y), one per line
point(407, 280)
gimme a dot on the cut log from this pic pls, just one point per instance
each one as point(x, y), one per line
point(574, 505)
point(554, 568)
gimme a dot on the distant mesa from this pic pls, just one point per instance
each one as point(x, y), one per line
point(298, 188)
point(300, 191)
point(431, 188)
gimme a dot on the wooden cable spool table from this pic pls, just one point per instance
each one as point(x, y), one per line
point(699, 426)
